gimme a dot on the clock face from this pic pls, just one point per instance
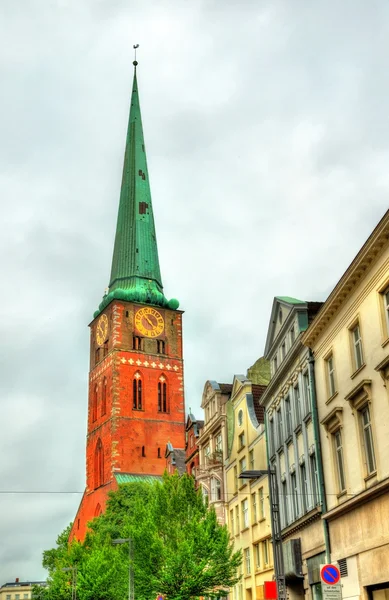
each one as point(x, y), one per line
point(149, 322)
point(102, 330)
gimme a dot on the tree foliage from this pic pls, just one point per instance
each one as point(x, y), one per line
point(180, 550)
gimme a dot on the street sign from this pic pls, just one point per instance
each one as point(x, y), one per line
point(330, 574)
point(330, 582)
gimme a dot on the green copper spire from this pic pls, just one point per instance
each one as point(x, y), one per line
point(135, 273)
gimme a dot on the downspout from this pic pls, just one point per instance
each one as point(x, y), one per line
point(316, 432)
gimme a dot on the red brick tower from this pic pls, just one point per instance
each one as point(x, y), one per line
point(136, 396)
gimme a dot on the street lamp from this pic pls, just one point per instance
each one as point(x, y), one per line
point(74, 580)
point(275, 526)
point(131, 593)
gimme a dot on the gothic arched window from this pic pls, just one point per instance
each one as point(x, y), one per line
point(99, 464)
point(162, 395)
point(94, 403)
point(98, 510)
point(104, 397)
point(137, 402)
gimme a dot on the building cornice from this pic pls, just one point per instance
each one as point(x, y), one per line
point(363, 261)
point(284, 372)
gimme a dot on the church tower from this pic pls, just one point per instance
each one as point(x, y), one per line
point(136, 392)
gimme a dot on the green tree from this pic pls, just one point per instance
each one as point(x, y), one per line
point(179, 547)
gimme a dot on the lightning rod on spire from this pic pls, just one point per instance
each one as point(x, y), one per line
point(135, 46)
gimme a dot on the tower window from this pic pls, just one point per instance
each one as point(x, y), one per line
point(162, 395)
point(97, 355)
point(99, 464)
point(137, 392)
point(127, 314)
point(104, 397)
point(105, 348)
point(159, 452)
point(136, 343)
point(160, 347)
point(94, 403)
point(143, 451)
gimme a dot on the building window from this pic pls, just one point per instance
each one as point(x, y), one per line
point(261, 504)
point(251, 460)
point(94, 403)
point(284, 493)
point(137, 392)
point(160, 347)
point(330, 376)
point(283, 349)
point(216, 493)
point(162, 395)
point(237, 519)
point(207, 454)
point(232, 523)
point(99, 464)
point(357, 346)
point(247, 561)
point(280, 427)
point(245, 513)
point(105, 348)
point(136, 343)
point(218, 443)
point(265, 546)
point(257, 556)
point(159, 453)
point(241, 440)
point(304, 487)
point(297, 404)
point(104, 397)
point(339, 460)
point(280, 316)
point(294, 490)
point(143, 451)
point(240, 418)
point(368, 440)
point(25, 596)
point(205, 494)
point(386, 308)
point(314, 479)
point(288, 415)
point(17, 596)
point(97, 355)
point(242, 464)
point(307, 392)
point(254, 507)
point(271, 436)
point(292, 336)
point(236, 479)
point(275, 363)
point(8, 597)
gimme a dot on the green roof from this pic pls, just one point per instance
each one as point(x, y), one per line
point(135, 272)
point(128, 478)
point(290, 300)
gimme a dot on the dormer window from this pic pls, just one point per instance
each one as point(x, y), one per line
point(283, 349)
point(275, 363)
point(292, 336)
point(280, 316)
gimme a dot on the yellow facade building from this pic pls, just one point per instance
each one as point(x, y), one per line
point(248, 500)
point(349, 339)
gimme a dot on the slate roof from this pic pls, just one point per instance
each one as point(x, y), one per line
point(257, 391)
point(226, 388)
point(179, 456)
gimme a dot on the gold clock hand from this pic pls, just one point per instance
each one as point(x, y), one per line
point(148, 320)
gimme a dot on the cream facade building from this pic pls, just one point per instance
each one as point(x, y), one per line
point(20, 590)
point(293, 446)
point(350, 341)
point(248, 500)
point(212, 445)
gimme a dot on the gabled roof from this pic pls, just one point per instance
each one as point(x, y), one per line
point(277, 330)
point(257, 392)
point(131, 478)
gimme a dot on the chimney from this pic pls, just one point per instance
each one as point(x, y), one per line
point(17, 580)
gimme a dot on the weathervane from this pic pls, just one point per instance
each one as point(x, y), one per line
point(135, 46)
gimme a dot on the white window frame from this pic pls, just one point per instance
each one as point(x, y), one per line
point(356, 340)
point(251, 460)
point(330, 368)
point(368, 442)
point(339, 460)
point(254, 516)
point(257, 556)
point(247, 561)
point(385, 296)
point(242, 465)
point(216, 493)
point(261, 503)
point(288, 416)
point(297, 404)
point(245, 513)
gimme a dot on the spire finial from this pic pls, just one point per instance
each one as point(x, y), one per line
point(135, 46)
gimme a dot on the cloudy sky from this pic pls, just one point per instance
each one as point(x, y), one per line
point(267, 133)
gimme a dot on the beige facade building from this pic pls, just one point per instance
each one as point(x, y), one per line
point(20, 590)
point(350, 341)
point(212, 446)
point(248, 500)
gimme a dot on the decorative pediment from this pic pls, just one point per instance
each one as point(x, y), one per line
point(238, 383)
point(360, 394)
point(334, 420)
point(279, 318)
point(383, 369)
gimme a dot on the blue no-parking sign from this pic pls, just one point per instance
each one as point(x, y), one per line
point(330, 574)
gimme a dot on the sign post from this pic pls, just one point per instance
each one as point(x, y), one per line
point(330, 582)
